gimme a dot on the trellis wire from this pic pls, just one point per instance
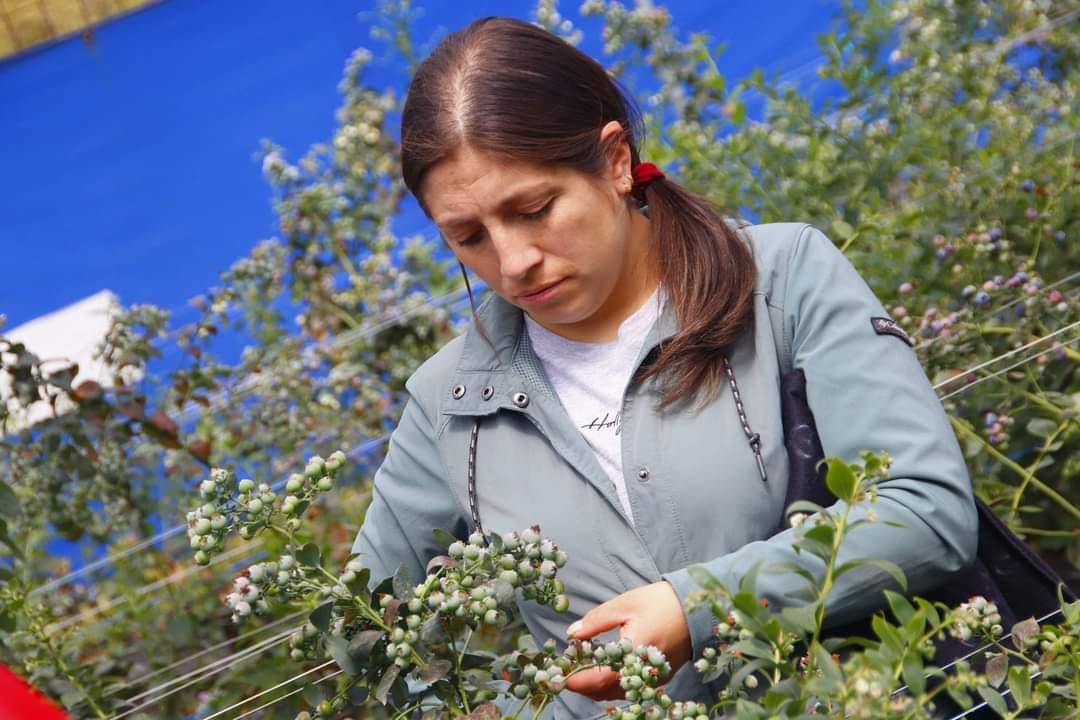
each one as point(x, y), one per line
point(150, 587)
point(1010, 353)
point(275, 701)
point(261, 693)
point(203, 673)
point(1002, 371)
point(217, 646)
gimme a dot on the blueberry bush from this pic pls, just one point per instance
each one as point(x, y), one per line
point(935, 143)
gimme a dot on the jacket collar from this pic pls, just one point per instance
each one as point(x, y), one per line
point(503, 347)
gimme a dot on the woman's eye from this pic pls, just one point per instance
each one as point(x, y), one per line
point(537, 214)
point(471, 239)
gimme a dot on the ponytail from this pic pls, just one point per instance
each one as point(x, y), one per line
point(709, 273)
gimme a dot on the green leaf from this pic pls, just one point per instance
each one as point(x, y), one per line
point(900, 606)
point(994, 700)
point(1041, 427)
point(829, 668)
point(309, 555)
point(443, 538)
point(842, 230)
point(7, 622)
point(1020, 685)
point(704, 578)
point(320, 616)
point(912, 670)
point(6, 539)
point(891, 568)
point(9, 503)
point(840, 479)
point(801, 616)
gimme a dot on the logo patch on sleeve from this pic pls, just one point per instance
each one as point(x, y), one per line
point(888, 326)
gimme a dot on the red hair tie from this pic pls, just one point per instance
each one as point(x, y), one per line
point(643, 174)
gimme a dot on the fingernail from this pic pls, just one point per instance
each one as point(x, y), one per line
point(574, 629)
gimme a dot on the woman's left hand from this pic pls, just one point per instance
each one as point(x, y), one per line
point(648, 615)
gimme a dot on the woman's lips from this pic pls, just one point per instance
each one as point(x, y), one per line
point(543, 293)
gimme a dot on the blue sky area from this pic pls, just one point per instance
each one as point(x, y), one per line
point(129, 164)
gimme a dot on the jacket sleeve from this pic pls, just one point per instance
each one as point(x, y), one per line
point(410, 497)
point(867, 392)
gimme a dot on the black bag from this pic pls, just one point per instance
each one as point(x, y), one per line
point(1005, 571)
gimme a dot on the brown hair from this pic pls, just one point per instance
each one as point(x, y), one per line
point(515, 90)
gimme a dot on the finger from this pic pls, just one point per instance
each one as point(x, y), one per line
point(597, 683)
point(600, 619)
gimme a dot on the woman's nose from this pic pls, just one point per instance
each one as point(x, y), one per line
point(517, 253)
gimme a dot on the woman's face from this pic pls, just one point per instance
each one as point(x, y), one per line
point(562, 245)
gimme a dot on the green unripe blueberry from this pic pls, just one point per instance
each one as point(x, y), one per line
point(492, 617)
point(561, 603)
point(384, 601)
point(530, 536)
point(511, 540)
point(521, 691)
point(325, 709)
point(202, 526)
point(310, 630)
point(529, 671)
point(246, 485)
point(471, 552)
point(202, 557)
point(297, 654)
point(293, 524)
point(456, 549)
point(326, 483)
point(247, 532)
point(336, 461)
point(295, 483)
point(476, 539)
point(255, 505)
point(542, 676)
point(287, 562)
point(397, 635)
point(316, 467)
point(509, 576)
point(218, 522)
point(411, 636)
point(413, 621)
point(507, 562)
point(547, 569)
point(207, 488)
point(415, 605)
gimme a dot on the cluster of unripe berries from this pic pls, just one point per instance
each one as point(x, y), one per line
point(467, 587)
point(642, 669)
point(229, 504)
point(260, 582)
point(978, 617)
point(208, 524)
point(304, 643)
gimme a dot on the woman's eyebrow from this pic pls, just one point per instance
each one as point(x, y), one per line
point(507, 202)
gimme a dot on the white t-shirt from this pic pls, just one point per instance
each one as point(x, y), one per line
point(590, 379)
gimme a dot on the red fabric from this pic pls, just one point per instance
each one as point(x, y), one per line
point(19, 701)
point(643, 174)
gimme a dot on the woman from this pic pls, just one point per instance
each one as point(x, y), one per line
point(621, 387)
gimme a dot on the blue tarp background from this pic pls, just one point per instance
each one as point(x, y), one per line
point(127, 164)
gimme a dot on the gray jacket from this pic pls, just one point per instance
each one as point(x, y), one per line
point(694, 483)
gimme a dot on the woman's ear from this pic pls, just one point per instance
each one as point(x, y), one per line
point(617, 163)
